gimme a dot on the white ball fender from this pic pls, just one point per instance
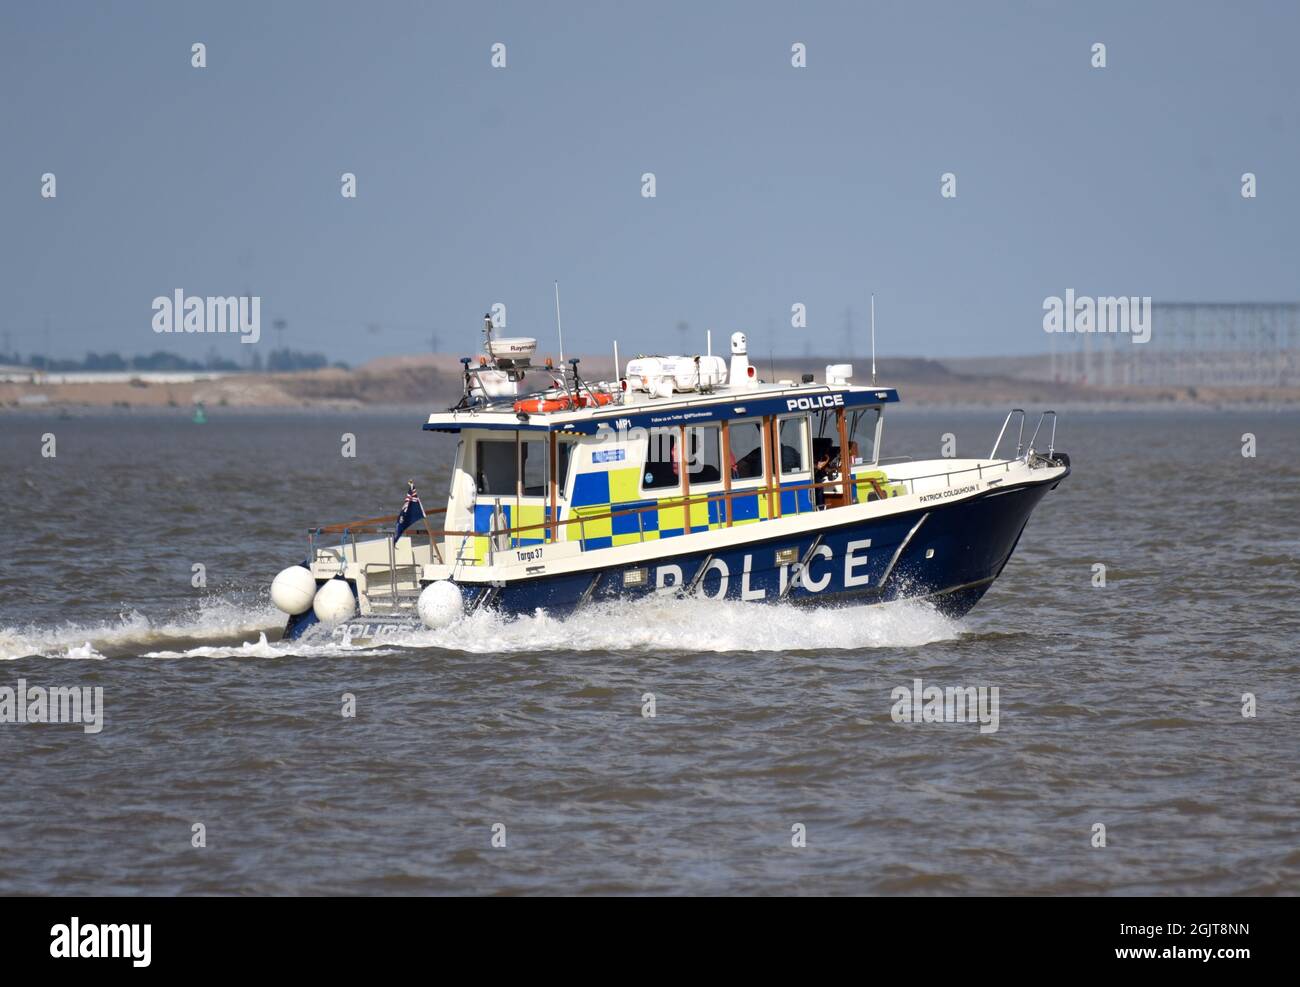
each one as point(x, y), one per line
point(293, 590)
point(440, 604)
point(335, 602)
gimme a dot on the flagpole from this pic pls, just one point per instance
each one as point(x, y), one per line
point(434, 552)
point(433, 549)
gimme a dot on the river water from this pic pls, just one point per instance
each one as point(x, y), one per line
point(1119, 706)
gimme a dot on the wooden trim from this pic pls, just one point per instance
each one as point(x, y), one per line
point(366, 522)
point(555, 466)
point(519, 491)
point(435, 553)
point(519, 468)
point(769, 422)
point(776, 461)
point(683, 468)
point(726, 465)
point(846, 461)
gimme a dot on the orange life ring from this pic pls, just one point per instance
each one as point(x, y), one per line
point(595, 398)
point(541, 405)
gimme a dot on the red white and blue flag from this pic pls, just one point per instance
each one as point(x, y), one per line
point(412, 511)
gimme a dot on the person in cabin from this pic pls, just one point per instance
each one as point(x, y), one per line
point(824, 453)
point(749, 465)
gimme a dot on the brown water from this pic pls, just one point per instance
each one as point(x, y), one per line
point(1119, 705)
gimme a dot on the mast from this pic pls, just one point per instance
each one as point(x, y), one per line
point(873, 338)
point(558, 327)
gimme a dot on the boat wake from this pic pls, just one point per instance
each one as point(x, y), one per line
point(133, 632)
point(667, 624)
point(228, 630)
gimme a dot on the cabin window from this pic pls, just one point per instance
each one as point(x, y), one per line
point(494, 471)
point(518, 467)
point(563, 453)
point(704, 454)
point(825, 443)
point(532, 467)
point(793, 438)
point(660, 469)
point(703, 457)
point(862, 436)
point(861, 426)
point(746, 440)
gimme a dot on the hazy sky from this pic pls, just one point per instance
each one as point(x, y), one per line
point(775, 185)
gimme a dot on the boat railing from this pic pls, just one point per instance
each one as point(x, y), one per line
point(349, 531)
point(1020, 439)
point(1051, 445)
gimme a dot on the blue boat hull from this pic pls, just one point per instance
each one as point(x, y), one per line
point(949, 554)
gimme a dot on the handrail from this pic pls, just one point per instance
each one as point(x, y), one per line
point(1051, 446)
point(382, 524)
point(661, 505)
point(1020, 441)
point(687, 502)
point(384, 519)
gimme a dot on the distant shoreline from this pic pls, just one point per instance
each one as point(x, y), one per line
point(433, 382)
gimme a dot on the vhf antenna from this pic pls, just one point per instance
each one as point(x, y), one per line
point(873, 338)
point(558, 327)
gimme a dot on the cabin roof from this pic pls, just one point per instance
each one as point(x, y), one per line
point(680, 409)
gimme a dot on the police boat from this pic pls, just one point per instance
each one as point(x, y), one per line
point(687, 475)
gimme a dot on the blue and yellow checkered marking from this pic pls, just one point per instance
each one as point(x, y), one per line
point(522, 516)
point(602, 492)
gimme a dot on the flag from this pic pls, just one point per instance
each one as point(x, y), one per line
point(412, 511)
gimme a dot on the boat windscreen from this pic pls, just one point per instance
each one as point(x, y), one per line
point(862, 436)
